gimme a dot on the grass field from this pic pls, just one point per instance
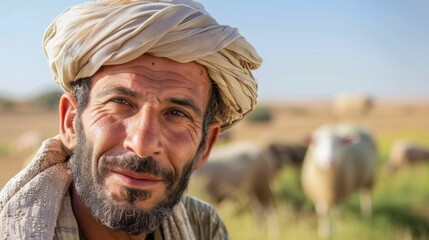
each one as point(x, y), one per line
point(400, 210)
point(401, 199)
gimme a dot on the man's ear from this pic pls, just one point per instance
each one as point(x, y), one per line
point(213, 131)
point(67, 111)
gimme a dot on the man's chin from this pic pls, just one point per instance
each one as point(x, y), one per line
point(133, 198)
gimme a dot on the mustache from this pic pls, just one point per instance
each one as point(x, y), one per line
point(133, 162)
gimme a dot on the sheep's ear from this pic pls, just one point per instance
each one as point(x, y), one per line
point(67, 111)
point(213, 131)
point(350, 139)
point(307, 140)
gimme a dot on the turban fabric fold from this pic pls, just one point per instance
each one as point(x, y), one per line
point(107, 32)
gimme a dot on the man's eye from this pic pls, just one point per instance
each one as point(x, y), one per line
point(178, 113)
point(120, 101)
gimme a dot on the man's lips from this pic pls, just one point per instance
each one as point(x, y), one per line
point(135, 179)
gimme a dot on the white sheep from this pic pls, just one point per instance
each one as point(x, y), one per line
point(340, 160)
point(350, 106)
point(405, 152)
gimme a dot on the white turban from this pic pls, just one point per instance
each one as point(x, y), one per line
point(107, 32)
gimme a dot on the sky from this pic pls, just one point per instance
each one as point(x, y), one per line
point(311, 49)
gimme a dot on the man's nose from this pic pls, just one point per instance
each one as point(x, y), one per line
point(143, 133)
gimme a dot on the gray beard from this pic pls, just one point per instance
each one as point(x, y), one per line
point(125, 218)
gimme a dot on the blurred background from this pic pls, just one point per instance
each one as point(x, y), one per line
point(324, 63)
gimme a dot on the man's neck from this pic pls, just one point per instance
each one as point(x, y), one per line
point(91, 227)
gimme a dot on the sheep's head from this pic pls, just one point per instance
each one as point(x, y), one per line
point(329, 146)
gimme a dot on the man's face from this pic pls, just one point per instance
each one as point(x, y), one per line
point(139, 139)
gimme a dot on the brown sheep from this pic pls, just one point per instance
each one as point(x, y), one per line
point(289, 153)
point(243, 172)
point(237, 171)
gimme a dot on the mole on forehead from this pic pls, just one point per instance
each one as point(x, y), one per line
point(155, 65)
point(144, 74)
point(161, 61)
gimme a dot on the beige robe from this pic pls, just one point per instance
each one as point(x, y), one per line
point(36, 204)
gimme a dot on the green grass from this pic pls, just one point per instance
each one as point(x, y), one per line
point(4, 148)
point(387, 140)
point(400, 206)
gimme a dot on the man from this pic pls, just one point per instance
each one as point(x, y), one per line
point(148, 87)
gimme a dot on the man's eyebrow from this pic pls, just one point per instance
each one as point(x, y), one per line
point(187, 103)
point(118, 89)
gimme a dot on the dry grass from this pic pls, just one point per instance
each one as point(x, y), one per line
point(292, 121)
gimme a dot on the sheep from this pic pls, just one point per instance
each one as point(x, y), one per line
point(291, 154)
point(242, 172)
point(27, 144)
point(340, 160)
point(349, 106)
point(405, 152)
point(239, 170)
point(246, 170)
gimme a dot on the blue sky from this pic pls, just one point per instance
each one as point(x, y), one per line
point(311, 49)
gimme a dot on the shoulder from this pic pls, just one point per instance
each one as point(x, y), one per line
point(205, 221)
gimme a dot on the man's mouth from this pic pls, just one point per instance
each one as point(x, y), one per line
point(135, 179)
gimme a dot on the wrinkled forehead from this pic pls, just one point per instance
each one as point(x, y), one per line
point(190, 70)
